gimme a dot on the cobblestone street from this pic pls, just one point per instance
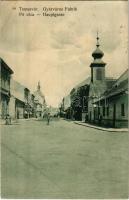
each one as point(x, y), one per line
point(63, 160)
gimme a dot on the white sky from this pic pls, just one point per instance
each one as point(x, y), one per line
point(57, 51)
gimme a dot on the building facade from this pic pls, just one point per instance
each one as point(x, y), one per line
point(27, 99)
point(113, 105)
point(79, 103)
point(17, 101)
point(5, 77)
point(21, 103)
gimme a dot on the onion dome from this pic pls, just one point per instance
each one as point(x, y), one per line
point(97, 55)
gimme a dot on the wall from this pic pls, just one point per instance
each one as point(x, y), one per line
point(4, 106)
point(12, 107)
point(121, 121)
point(107, 120)
point(19, 110)
point(5, 79)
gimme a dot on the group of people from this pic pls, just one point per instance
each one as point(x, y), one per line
point(47, 116)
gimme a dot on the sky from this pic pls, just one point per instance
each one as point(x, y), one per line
point(57, 51)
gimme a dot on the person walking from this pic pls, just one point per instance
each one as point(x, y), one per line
point(48, 118)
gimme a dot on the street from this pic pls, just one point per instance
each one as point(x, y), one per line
point(62, 160)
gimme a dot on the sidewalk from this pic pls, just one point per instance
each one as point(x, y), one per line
point(15, 121)
point(102, 128)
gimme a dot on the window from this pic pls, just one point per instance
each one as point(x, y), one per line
point(99, 74)
point(122, 109)
point(91, 74)
point(98, 110)
point(104, 111)
point(107, 110)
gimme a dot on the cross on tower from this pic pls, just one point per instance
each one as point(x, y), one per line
point(97, 40)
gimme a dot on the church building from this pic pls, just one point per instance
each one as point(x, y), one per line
point(40, 103)
point(105, 94)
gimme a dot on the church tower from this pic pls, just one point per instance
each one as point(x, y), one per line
point(97, 66)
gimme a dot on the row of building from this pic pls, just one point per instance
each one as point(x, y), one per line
point(17, 100)
point(99, 99)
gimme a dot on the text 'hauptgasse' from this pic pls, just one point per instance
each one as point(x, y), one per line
point(45, 11)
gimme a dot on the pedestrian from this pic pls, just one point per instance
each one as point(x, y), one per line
point(86, 117)
point(8, 120)
point(48, 118)
point(100, 119)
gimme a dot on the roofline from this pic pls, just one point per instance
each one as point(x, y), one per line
point(122, 74)
point(82, 82)
point(97, 64)
point(17, 98)
point(111, 95)
point(6, 66)
point(110, 79)
point(15, 81)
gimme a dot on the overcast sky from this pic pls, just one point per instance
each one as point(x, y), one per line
point(57, 51)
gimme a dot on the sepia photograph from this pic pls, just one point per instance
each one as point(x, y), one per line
point(64, 99)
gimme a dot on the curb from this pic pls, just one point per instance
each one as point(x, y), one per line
point(102, 129)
